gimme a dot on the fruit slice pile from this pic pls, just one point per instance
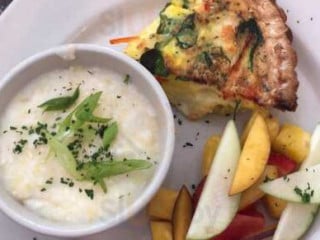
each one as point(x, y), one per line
point(235, 179)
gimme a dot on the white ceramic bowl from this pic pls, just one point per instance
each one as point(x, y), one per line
point(88, 55)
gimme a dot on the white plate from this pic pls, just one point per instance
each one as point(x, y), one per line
point(27, 27)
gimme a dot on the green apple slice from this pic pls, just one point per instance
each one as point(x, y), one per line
point(297, 218)
point(216, 208)
point(300, 187)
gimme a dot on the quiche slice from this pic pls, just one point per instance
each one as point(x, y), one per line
point(210, 54)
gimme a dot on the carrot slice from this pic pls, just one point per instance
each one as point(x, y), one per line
point(122, 40)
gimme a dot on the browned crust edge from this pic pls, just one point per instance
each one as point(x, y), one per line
point(282, 59)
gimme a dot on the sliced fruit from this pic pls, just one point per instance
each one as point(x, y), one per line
point(197, 193)
point(292, 141)
point(300, 187)
point(216, 208)
point(273, 125)
point(263, 234)
point(247, 127)
point(162, 204)
point(254, 193)
point(182, 214)
point(284, 164)
point(244, 224)
point(253, 157)
point(297, 218)
point(275, 206)
point(209, 151)
point(161, 230)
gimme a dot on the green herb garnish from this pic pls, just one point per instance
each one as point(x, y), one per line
point(110, 134)
point(64, 156)
point(90, 193)
point(19, 146)
point(236, 109)
point(97, 171)
point(60, 103)
point(127, 79)
point(81, 114)
point(84, 111)
point(304, 194)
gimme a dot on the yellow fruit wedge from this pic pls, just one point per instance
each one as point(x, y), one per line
point(292, 141)
point(275, 206)
point(182, 214)
point(161, 230)
point(162, 204)
point(253, 158)
point(272, 123)
point(209, 151)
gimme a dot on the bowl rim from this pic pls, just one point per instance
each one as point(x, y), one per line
point(162, 167)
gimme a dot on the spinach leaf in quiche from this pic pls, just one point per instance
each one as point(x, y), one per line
point(251, 27)
point(168, 25)
point(187, 35)
point(154, 62)
point(185, 4)
point(205, 58)
point(186, 38)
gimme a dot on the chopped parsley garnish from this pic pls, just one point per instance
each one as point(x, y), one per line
point(49, 181)
point(267, 179)
point(236, 109)
point(305, 194)
point(188, 144)
point(90, 193)
point(19, 146)
point(127, 79)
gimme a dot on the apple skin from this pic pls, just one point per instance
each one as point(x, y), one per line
point(216, 208)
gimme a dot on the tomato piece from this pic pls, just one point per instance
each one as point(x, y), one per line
point(284, 164)
point(197, 193)
point(245, 223)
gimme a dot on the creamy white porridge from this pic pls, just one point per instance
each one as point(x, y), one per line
point(34, 173)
